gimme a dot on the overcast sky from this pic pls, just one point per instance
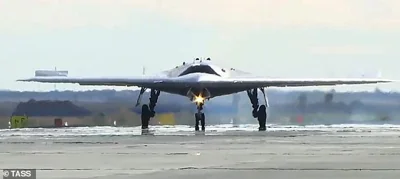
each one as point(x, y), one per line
point(280, 38)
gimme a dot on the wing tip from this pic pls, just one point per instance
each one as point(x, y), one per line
point(388, 80)
point(26, 80)
point(23, 80)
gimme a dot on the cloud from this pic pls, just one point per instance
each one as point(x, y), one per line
point(382, 14)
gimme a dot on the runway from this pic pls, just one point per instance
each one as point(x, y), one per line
point(223, 151)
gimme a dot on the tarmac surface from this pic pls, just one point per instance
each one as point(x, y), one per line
point(309, 152)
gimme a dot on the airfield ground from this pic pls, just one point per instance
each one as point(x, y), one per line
point(291, 153)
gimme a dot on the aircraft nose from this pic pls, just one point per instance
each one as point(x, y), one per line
point(205, 77)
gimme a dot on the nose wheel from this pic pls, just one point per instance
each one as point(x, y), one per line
point(200, 118)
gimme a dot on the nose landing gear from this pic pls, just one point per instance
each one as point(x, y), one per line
point(200, 117)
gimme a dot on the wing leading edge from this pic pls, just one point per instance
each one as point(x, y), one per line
point(154, 82)
point(101, 81)
point(287, 82)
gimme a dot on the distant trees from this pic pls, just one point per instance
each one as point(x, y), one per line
point(302, 102)
point(129, 96)
point(356, 104)
point(109, 102)
point(50, 108)
point(100, 119)
point(328, 98)
point(235, 101)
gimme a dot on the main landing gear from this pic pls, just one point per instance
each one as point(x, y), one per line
point(258, 112)
point(148, 110)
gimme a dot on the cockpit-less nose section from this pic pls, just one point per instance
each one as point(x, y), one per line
point(199, 69)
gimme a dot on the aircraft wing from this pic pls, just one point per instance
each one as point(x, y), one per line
point(141, 81)
point(231, 82)
point(257, 82)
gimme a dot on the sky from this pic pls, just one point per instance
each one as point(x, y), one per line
point(285, 38)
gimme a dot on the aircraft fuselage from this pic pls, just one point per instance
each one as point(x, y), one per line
point(194, 73)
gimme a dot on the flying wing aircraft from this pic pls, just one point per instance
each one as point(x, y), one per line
point(202, 80)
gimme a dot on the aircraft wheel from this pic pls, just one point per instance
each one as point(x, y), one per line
point(262, 118)
point(200, 118)
point(196, 119)
point(203, 122)
point(145, 116)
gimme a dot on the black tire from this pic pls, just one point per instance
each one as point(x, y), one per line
point(203, 122)
point(145, 116)
point(262, 118)
point(197, 119)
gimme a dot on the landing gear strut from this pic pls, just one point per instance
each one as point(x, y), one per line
point(142, 90)
point(259, 113)
point(148, 110)
point(200, 117)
